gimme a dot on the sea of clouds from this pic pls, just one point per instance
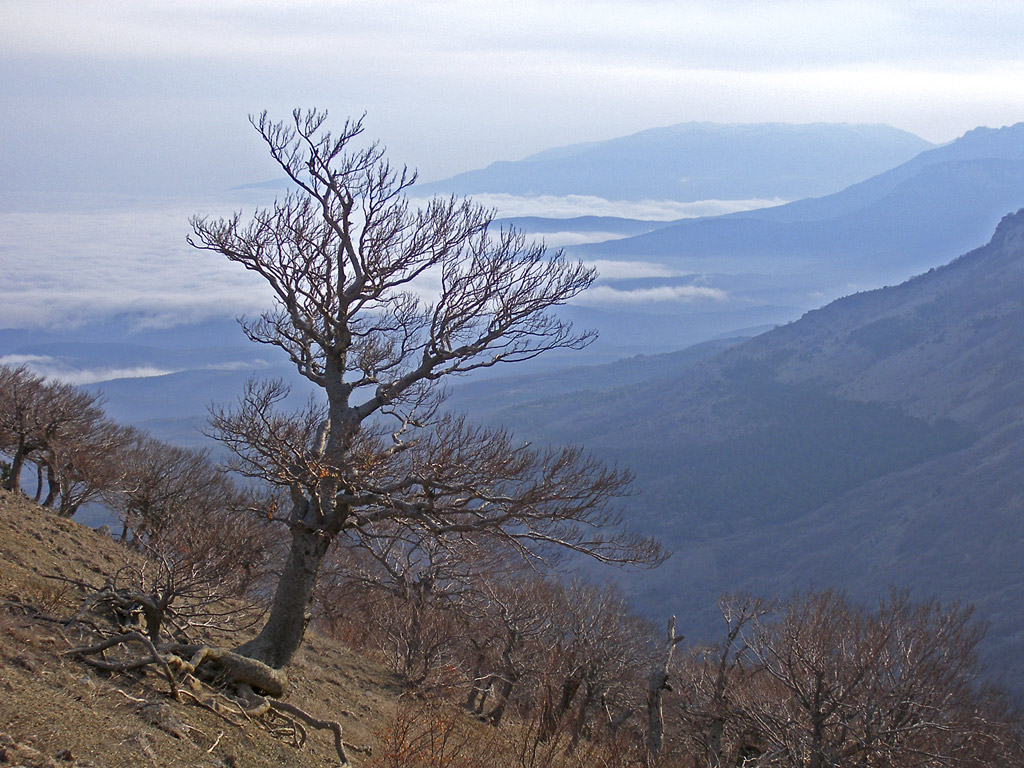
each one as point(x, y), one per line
point(61, 268)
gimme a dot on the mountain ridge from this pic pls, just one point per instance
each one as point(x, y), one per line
point(689, 162)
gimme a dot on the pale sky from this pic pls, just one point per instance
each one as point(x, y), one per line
point(152, 95)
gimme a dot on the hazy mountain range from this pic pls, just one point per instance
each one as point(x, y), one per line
point(876, 441)
point(775, 263)
point(700, 161)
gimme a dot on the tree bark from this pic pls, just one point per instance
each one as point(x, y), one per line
point(504, 692)
point(13, 483)
point(51, 487)
point(282, 635)
point(39, 483)
point(657, 683)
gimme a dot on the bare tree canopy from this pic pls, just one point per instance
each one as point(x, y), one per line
point(60, 429)
point(375, 303)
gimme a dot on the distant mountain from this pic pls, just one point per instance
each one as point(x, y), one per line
point(875, 441)
point(910, 218)
point(700, 161)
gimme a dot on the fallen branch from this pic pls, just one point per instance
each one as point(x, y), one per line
point(308, 719)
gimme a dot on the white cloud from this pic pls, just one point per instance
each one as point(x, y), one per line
point(30, 360)
point(570, 206)
point(605, 294)
point(451, 85)
point(53, 368)
point(739, 33)
point(96, 375)
point(59, 269)
point(563, 239)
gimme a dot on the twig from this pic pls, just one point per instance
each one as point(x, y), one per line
point(154, 658)
point(215, 743)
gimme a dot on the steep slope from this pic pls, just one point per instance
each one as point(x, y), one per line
point(701, 161)
point(876, 441)
point(56, 711)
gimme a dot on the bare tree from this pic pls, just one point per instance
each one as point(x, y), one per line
point(840, 685)
point(657, 684)
point(176, 505)
point(413, 589)
point(23, 418)
point(513, 632)
point(164, 484)
point(82, 461)
point(597, 654)
point(64, 431)
point(345, 256)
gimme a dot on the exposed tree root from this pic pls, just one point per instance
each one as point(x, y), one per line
point(256, 686)
point(126, 666)
point(234, 668)
point(332, 725)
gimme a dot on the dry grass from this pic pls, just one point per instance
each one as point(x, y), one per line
point(56, 711)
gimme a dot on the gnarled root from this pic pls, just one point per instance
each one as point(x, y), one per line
point(154, 657)
point(233, 668)
point(331, 725)
point(256, 684)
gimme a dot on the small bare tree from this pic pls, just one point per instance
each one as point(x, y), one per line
point(412, 590)
point(82, 461)
point(164, 484)
point(63, 431)
point(346, 260)
point(175, 505)
point(841, 685)
point(598, 653)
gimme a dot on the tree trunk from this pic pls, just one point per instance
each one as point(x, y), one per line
point(506, 684)
point(657, 684)
point(478, 691)
point(282, 635)
point(13, 483)
point(553, 714)
point(51, 487)
point(67, 509)
point(39, 483)
point(580, 723)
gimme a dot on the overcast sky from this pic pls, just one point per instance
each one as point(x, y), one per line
point(153, 94)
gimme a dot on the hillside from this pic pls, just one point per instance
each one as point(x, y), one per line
point(876, 441)
point(700, 161)
point(56, 711)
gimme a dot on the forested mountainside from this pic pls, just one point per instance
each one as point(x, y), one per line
point(875, 441)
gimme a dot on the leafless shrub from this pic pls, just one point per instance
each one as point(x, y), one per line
point(821, 681)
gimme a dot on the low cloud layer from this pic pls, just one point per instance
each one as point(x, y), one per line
point(53, 368)
point(606, 294)
point(59, 269)
point(570, 206)
point(626, 270)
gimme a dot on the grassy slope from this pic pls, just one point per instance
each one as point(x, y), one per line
point(49, 703)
